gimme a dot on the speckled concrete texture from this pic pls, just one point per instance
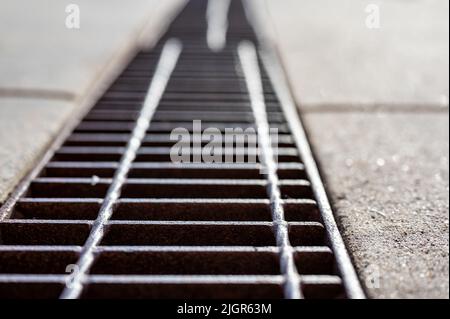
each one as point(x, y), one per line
point(26, 128)
point(388, 178)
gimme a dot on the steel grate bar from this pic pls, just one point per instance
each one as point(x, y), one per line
point(249, 61)
point(166, 65)
point(351, 282)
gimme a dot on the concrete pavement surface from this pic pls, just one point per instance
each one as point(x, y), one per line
point(390, 191)
point(26, 128)
point(40, 52)
point(335, 58)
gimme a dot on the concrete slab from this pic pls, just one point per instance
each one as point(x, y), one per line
point(332, 58)
point(39, 53)
point(26, 128)
point(388, 178)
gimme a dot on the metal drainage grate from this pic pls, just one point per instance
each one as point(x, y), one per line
point(129, 223)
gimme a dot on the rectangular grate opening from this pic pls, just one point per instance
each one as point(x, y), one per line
point(30, 290)
point(323, 291)
point(193, 210)
point(36, 261)
point(194, 189)
point(162, 262)
point(189, 234)
point(315, 261)
point(69, 188)
point(56, 209)
point(22, 232)
point(109, 198)
point(180, 291)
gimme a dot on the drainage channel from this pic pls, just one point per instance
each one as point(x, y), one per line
point(111, 215)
